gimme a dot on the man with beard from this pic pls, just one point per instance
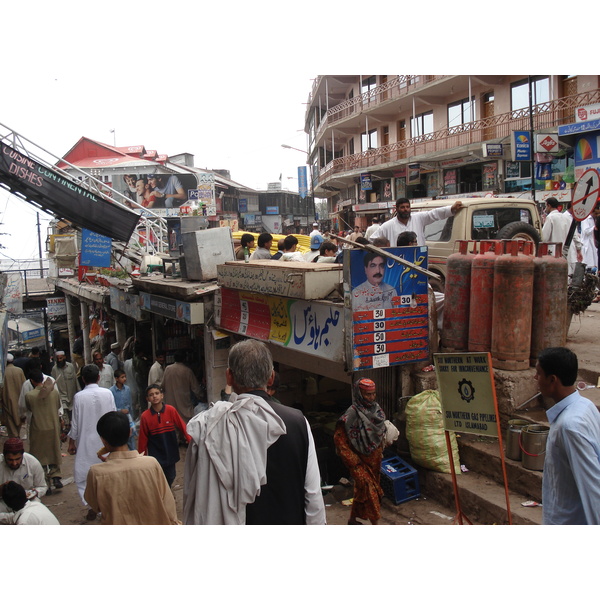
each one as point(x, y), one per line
point(23, 468)
point(65, 375)
point(405, 221)
point(373, 293)
point(107, 375)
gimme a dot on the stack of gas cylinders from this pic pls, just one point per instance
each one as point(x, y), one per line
point(505, 298)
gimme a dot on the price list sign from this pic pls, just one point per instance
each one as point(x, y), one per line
point(389, 317)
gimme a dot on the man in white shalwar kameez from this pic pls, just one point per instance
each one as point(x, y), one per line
point(84, 442)
point(589, 250)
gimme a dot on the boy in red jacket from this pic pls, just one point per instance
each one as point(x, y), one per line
point(158, 433)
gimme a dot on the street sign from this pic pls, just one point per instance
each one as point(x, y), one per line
point(467, 392)
point(586, 194)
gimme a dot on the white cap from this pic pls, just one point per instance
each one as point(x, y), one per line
point(9, 358)
point(115, 346)
point(315, 224)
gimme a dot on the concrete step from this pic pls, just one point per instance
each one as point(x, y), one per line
point(481, 489)
point(482, 455)
point(482, 500)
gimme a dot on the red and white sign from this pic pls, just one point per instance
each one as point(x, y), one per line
point(587, 113)
point(585, 195)
point(546, 142)
point(55, 307)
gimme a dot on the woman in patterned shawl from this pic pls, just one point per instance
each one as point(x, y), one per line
point(358, 438)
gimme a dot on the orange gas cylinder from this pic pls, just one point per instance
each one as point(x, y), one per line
point(455, 327)
point(512, 307)
point(550, 308)
point(482, 294)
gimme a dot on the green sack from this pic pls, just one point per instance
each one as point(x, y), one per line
point(426, 434)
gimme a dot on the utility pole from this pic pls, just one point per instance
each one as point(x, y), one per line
point(46, 337)
point(40, 247)
point(532, 163)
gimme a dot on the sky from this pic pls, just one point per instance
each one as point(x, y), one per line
point(227, 82)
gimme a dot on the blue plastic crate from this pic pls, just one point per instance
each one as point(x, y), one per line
point(399, 481)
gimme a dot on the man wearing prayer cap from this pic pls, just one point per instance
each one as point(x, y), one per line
point(23, 468)
point(112, 358)
point(11, 388)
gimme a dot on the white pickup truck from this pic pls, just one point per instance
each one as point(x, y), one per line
point(479, 219)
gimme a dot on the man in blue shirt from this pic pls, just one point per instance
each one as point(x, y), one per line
point(571, 481)
point(122, 396)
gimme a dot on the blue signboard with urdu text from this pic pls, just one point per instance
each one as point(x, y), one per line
point(95, 249)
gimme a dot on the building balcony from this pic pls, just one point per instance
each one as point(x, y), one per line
point(377, 98)
point(440, 144)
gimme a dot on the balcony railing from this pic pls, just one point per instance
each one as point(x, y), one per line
point(35, 281)
point(545, 115)
point(390, 90)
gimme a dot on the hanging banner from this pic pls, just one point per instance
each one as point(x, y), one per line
point(63, 197)
point(13, 293)
point(302, 182)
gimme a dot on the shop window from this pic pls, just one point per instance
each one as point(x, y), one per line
point(517, 176)
point(450, 181)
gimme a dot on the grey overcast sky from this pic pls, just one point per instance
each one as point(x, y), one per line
point(226, 82)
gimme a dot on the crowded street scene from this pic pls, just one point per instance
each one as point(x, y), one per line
point(331, 300)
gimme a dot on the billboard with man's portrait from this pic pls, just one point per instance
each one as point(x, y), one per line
point(389, 308)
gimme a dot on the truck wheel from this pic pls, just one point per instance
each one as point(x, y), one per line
point(438, 285)
point(519, 231)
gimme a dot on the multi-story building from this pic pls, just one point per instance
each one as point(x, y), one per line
point(375, 138)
